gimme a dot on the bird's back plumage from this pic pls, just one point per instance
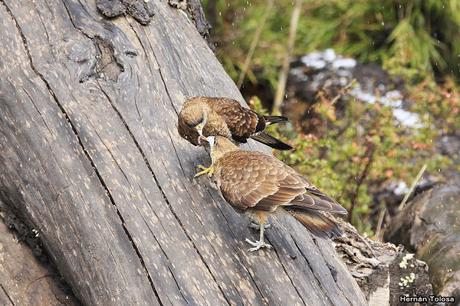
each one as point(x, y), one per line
point(255, 181)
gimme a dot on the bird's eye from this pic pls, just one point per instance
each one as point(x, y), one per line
point(195, 124)
point(200, 126)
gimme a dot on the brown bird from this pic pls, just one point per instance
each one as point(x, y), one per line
point(225, 117)
point(257, 183)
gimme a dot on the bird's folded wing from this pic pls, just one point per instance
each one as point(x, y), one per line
point(259, 181)
point(314, 198)
point(240, 120)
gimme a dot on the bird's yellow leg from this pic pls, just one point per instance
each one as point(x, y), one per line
point(205, 170)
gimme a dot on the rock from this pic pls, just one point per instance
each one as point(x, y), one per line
point(345, 78)
point(391, 194)
point(430, 226)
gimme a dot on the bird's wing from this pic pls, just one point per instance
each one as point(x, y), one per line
point(260, 181)
point(241, 179)
point(241, 121)
point(256, 180)
point(315, 199)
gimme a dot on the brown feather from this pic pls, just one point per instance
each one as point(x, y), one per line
point(188, 133)
point(260, 181)
point(317, 223)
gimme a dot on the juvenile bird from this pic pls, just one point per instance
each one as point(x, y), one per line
point(227, 118)
point(257, 184)
point(201, 117)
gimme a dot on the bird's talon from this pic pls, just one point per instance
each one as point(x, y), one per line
point(257, 245)
point(251, 242)
point(205, 170)
point(256, 226)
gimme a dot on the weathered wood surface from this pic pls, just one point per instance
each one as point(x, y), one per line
point(23, 279)
point(90, 157)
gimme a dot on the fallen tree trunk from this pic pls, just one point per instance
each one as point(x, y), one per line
point(91, 159)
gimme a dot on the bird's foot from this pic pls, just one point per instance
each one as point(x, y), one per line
point(257, 245)
point(256, 225)
point(204, 170)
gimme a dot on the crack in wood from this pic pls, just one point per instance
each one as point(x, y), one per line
point(38, 111)
point(287, 274)
point(72, 21)
point(318, 281)
point(142, 45)
point(333, 272)
point(177, 155)
point(7, 295)
point(164, 83)
point(112, 156)
point(177, 284)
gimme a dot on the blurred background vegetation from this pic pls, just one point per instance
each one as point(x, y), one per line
point(353, 150)
point(415, 38)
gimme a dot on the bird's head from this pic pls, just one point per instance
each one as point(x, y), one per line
point(191, 122)
point(220, 146)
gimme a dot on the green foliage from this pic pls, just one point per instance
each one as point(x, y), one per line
point(439, 103)
point(412, 38)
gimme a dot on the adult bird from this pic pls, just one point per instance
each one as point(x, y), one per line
point(201, 117)
point(258, 184)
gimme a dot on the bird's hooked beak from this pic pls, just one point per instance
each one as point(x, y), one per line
point(202, 141)
point(210, 140)
point(206, 141)
point(199, 128)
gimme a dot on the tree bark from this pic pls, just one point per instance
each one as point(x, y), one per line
point(90, 158)
point(24, 280)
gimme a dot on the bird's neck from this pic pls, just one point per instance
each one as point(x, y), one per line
point(218, 154)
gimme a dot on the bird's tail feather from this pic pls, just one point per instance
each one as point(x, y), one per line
point(275, 119)
point(317, 223)
point(270, 141)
